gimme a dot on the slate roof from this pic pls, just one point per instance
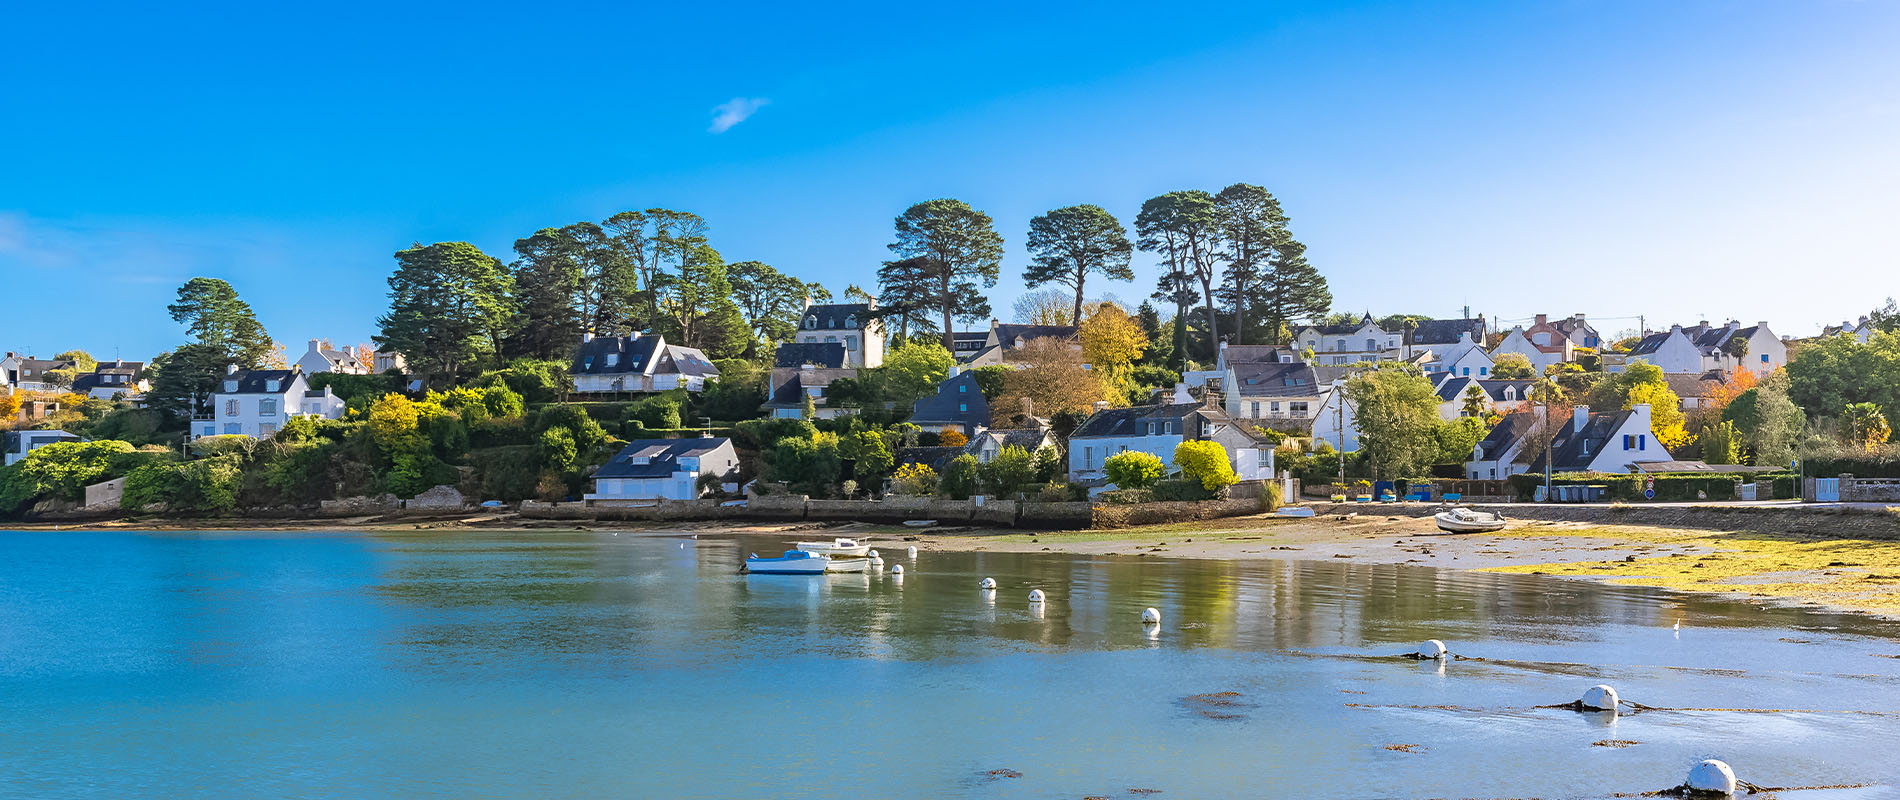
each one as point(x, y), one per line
point(1132, 421)
point(968, 341)
point(1006, 335)
point(662, 456)
point(1446, 331)
point(1276, 380)
point(1504, 435)
point(633, 351)
point(944, 406)
point(1690, 385)
point(932, 457)
point(821, 354)
point(1650, 343)
point(685, 361)
point(1575, 449)
point(833, 316)
point(252, 381)
point(1335, 330)
point(1454, 388)
point(790, 394)
point(1256, 353)
point(120, 368)
point(1570, 326)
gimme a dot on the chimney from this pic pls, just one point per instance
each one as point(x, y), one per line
point(807, 300)
point(1029, 407)
point(953, 372)
point(1543, 319)
point(1678, 328)
point(1703, 324)
point(230, 369)
point(587, 337)
point(349, 350)
point(994, 322)
point(1579, 417)
point(313, 345)
point(1181, 394)
point(1101, 405)
point(1640, 414)
point(1761, 323)
point(1863, 321)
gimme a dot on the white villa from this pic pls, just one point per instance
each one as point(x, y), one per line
point(320, 358)
point(257, 402)
point(1704, 347)
point(1157, 430)
point(638, 363)
point(1613, 442)
point(851, 325)
point(1339, 345)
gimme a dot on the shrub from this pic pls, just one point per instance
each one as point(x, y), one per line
point(809, 466)
point(1205, 461)
point(1134, 469)
point(959, 477)
point(1012, 470)
point(208, 485)
point(871, 456)
point(916, 480)
point(764, 434)
point(952, 438)
point(1183, 489)
point(62, 470)
point(507, 473)
point(656, 412)
point(1125, 497)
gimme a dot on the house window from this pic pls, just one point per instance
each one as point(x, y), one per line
point(587, 362)
point(831, 338)
point(811, 322)
point(1467, 371)
point(1482, 371)
point(1274, 407)
point(1088, 458)
point(230, 387)
point(1629, 442)
point(1256, 409)
point(1764, 358)
point(962, 388)
point(267, 407)
point(963, 406)
point(1167, 427)
point(210, 430)
point(850, 342)
point(230, 408)
point(612, 359)
point(232, 429)
point(1372, 344)
point(851, 321)
point(1297, 407)
point(265, 430)
point(1151, 429)
point(272, 385)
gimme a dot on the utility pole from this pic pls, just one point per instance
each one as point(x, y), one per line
point(1339, 430)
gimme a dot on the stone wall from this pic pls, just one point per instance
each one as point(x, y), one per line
point(440, 498)
point(1123, 516)
point(359, 506)
point(1869, 490)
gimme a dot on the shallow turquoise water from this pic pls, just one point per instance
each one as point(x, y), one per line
point(514, 665)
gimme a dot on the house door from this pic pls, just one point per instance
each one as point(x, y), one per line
point(1827, 490)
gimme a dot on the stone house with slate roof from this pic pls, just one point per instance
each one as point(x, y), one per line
point(28, 374)
point(1861, 331)
point(663, 469)
point(258, 402)
point(1463, 358)
point(958, 405)
point(854, 326)
point(1003, 338)
point(639, 363)
point(1579, 332)
point(321, 358)
point(110, 379)
point(1703, 347)
point(1613, 442)
point(1439, 336)
point(1338, 345)
point(1501, 396)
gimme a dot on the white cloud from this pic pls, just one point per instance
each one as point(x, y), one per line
point(735, 111)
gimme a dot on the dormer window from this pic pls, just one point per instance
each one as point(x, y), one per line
point(230, 387)
point(851, 321)
point(811, 322)
point(612, 359)
point(272, 384)
point(587, 362)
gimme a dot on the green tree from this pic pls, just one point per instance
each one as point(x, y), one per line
point(1007, 474)
point(1457, 438)
point(213, 315)
point(1267, 269)
point(1069, 244)
point(1397, 414)
point(809, 466)
point(1475, 402)
point(912, 371)
point(1768, 420)
point(448, 308)
point(1133, 469)
point(82, 360)
point(872, 457)
point(1644, 383)
point(1832, 373)
point(1205, 461)
point(907, 298)
point(1866, 426)
point(959, 477)
point(1184, 228)
point(771, 301)
point(961, 249)
point(568, 281)
point(1511, 366)
point(1721, 443)
point(655, 244)
point(1160, 345)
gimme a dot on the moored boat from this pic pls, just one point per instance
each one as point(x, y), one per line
point(835, 547)
point(1295, 512)
point(1465, 520)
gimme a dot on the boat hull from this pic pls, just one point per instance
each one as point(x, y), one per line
point(834, 549)
point(1450, 522)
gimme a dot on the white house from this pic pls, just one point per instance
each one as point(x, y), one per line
point(257, 402)
point(1280, 396)
point(19, 443)
point(1613, 442)
point(985, 444)
point(1463, 358)
point(1338, 345)
point(1703, 347)
point(1441, 336)
point(851, 325)
point(1157, 430)
point(320, 358)
point(1672, 350)
point(1542, 346)
point(28, 374)
point(1337, 422)
point(1493, 395)
point(664, 469)
point(638, 363)
point(1861, 331)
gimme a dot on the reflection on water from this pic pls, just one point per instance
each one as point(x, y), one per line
point(590, 665)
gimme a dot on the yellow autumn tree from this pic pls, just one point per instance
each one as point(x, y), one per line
point(1643, 382)
point(1112, 342)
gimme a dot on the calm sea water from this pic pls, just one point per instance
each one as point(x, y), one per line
point(516, 665)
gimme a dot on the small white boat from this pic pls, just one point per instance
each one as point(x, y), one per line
point(1464, 520)
point(919, 523)
point(799, 562)
point(835, 547)
point(1295, 512)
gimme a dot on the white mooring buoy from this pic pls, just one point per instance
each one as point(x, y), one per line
point(1431, 649)
point(1713, 777)
point(873, 554)
point(987, 583)
point(897, 569)
point(1151, 616)
point(913, 552)
point(1601, 697)
point(1036, 596)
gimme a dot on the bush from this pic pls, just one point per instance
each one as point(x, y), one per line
point(1012, 470)
point(989, 380)
point(205, 486)
point(1126, 497)
point(959, 477)
point(1134, 469)
point(656, 412)
point(62, 470)
point(809, 466)
point(1205, 461)
point(507, 473)
point(1177, 489)
point(1629, 488)
point(764, 434)
point(915, 480)
point(952, 438)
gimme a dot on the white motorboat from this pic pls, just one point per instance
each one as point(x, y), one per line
point(1464, 520)
point(799, 562)
point(919, 523)
point(1294, 512)
point(836, 547)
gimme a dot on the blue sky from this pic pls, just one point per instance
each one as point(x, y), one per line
point(1682, 160)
